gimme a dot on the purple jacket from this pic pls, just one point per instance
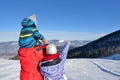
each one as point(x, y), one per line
point(56, 72)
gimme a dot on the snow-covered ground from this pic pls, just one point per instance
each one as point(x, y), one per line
point(114, 57)
point(76, 69)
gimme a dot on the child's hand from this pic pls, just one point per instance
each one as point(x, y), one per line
point(45, 41)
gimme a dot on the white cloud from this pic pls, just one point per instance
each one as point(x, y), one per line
point(9, 36)
point(9, 33)
point(66, 35)
point(102, 34)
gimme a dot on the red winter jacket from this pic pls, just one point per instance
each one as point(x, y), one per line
point(29, 60)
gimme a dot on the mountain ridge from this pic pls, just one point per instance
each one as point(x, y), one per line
point(10, 49)
point(102, 47)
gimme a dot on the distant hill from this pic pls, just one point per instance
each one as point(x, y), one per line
point(102, 47)
point(10, 49)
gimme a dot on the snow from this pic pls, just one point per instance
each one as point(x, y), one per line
point(85, 69)
point(76, 69)
point(114, 56)
point(61, 41)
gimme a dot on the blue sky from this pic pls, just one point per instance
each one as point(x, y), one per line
point(61, 19)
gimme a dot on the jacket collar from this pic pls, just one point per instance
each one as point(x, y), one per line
point(50, 57)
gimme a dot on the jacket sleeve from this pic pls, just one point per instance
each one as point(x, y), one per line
point(37, 35)
point(64, 52)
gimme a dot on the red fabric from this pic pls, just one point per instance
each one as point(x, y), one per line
point(43, 46)
point(50, 56)
point(29, 60)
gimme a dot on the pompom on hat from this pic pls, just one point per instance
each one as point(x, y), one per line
point(51, 49)
point(33, 17)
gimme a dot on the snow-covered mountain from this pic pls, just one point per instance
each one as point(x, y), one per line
point(102, 47)
point(9, 49)
point(76, 69)
point(75, 43)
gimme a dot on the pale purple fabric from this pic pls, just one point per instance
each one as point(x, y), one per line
point(56, 72)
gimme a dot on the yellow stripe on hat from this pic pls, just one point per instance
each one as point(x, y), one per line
point(23, 36)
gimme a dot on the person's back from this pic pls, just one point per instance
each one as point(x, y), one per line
point(30, 36)
point(30, 53)
point(52, 65)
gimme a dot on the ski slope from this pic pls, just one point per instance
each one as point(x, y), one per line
point(76, 69)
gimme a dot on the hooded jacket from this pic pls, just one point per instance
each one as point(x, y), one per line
point(54, 70)
point(29, 35)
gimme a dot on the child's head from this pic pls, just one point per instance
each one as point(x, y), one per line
point(29, 21)
point(51, 49)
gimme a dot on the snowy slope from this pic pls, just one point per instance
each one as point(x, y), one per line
point(76, 69)
point(114, 57)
